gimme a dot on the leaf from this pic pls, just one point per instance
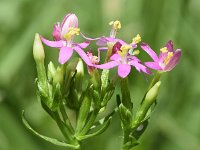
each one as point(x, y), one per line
point(101, 130)
point(51, 140)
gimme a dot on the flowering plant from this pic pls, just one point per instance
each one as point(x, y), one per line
point(66, 88)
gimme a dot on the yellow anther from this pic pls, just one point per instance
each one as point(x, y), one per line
point(116, 24)
point(137, 39)
point(164, 50)
point(124, 50)
point(169, 55)
point(72, 32)
point(136, 52)
point(125, 47)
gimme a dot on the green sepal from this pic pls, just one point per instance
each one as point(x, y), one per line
point(95, 79)
point(72, 100)
point(99, 131)
point(89, 122)
point(70, 72)
point(57, 97)
point(109, 91)
point(125, 115)
point(107, 97)
point(95, 96)
point(83, 112)
point(48, 139)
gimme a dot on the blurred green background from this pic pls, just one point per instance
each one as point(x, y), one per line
point(175, 124)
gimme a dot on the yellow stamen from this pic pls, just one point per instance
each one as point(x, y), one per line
point(136, 52)
point(72, 32)
point(164, 50)
point(137, 39)
point(124, 50)
point(169, 55)
point(116, 24)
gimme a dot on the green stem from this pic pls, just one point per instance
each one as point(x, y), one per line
point(126, 98)
point(154, 80)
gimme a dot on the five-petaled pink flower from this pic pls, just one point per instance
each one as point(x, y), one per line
point(167, 59)
point(64, 34)
point(124, 60)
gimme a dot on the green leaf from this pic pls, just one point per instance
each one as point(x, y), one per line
point(51, 140)
point(101, 130)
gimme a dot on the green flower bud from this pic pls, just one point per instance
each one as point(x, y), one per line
point(145, 107)
point(51, 71)
point(79, 76)
point(58, 77)
point(38, 49)
point(152, 93)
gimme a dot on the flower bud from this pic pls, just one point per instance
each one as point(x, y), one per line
point(79, 76)
point(38, 49)
point(58, 77)
point(51, 71)
point(69, 21)
point(152, 93)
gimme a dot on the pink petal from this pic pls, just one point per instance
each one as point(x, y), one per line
point(65, 54)
point(173, 61)
point(65, 18)
point(170, 46)
point(83, 55)
point(121, 41)
point(87, 38)
point(70, 21)
point(56, 44)
point(124, 70)
point(133, 58)
point(115, 57)
point(140, 67)
point(107, 65)
point(84, 44)
point(153, 65)
point(148, 49)
point(103, 41)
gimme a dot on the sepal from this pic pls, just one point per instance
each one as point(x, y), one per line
point(83, 112)
point(125, 115)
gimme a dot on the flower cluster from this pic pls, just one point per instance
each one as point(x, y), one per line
point(119, 53)
point(65, 91)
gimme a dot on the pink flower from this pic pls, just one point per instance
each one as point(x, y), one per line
point(167, 59)
point(64, 34)
point(124, 60)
